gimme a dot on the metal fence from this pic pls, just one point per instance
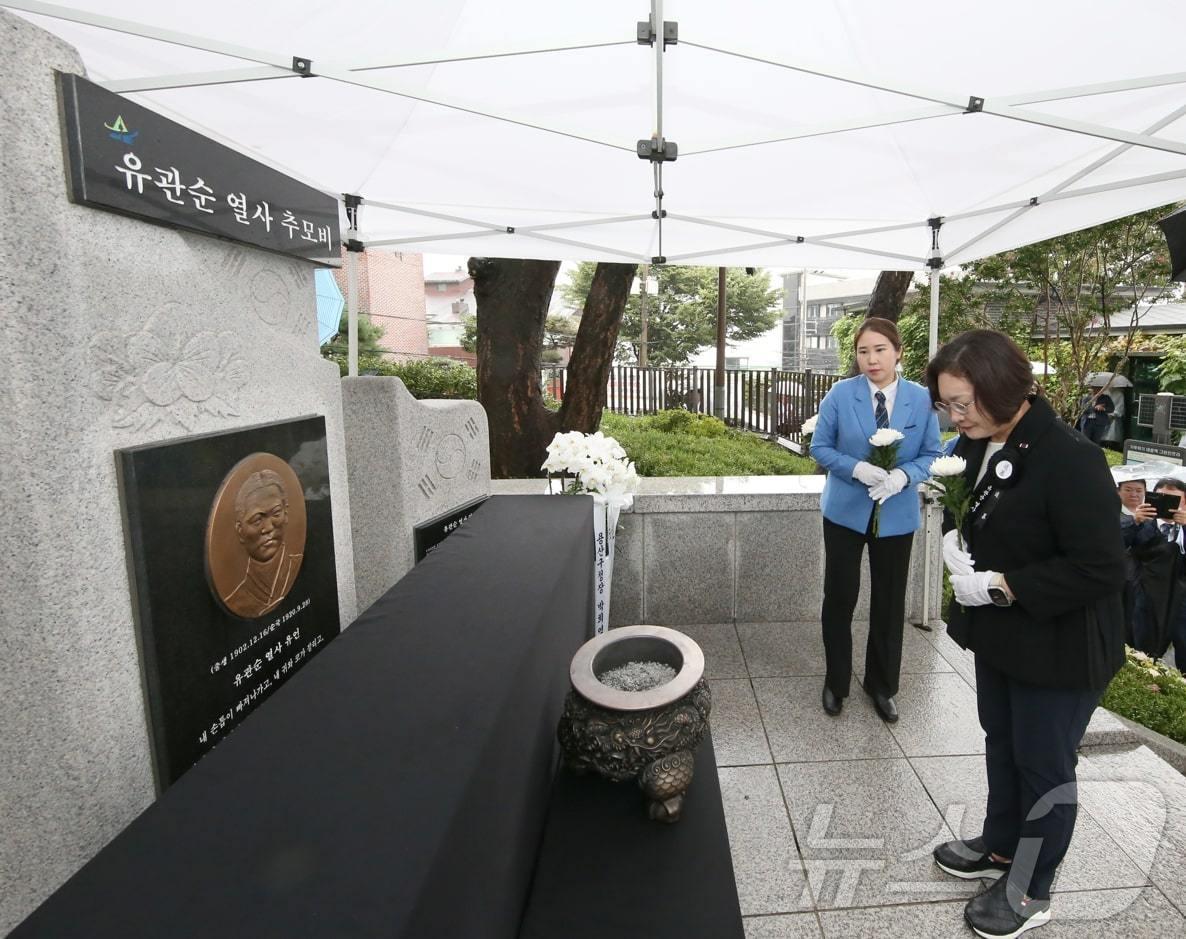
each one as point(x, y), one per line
point(773, 402)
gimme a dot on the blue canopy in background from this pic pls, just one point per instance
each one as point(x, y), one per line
point(329, 305)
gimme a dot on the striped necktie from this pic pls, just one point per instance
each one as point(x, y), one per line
point(881, 414)
point(1170, 531)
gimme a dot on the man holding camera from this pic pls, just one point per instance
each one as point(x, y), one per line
point(1174, 531)
point(1153, 528)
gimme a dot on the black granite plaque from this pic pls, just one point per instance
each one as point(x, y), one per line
point(231, 554)
point(427, 535)
point(124, 157)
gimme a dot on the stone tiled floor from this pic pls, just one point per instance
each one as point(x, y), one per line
point(832, 820)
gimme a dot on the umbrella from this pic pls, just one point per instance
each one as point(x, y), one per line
point(1099, 379)
point(1173, 226)
point(329, 305)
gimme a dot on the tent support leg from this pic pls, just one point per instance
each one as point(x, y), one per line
point(928, 533)
point(352, 307)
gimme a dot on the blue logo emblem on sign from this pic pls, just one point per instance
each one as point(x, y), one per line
point(119, 131)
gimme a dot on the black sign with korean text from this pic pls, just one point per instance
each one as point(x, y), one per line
point(126, 158)
point(427, 535)
point(231, 556)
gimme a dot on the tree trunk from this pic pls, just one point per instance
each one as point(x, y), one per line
point(513, 301)
point(889, 294)
point(887, 300)
point(593, 350)
point(512, 298)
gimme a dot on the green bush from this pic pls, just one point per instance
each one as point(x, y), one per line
point(1150, 693)
point(424, 378)
point(674, 453)
point(679, 421)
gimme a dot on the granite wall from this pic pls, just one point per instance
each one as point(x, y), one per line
point(443, 463)
point(116, 332)
point(688, 559)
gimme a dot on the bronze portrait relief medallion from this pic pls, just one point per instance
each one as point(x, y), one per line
point(255, 536)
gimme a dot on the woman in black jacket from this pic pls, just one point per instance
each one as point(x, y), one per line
point(1038, 599)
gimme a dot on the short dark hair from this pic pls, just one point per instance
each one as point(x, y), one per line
point(877, 324)
point(991, 362)
point(1170, 482)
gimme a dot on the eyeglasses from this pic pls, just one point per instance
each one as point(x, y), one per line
point(954, 407)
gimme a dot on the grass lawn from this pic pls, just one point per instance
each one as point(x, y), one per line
point(701, 449)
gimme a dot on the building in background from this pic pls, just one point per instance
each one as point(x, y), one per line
point(391, 293)
point(448, 300)
point(812, 303)
point(803, 339)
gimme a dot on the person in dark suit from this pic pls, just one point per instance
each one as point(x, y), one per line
point(851, 412)
point(1097, 415)
point(1174, 533)
point(1038, 599)
point(1153, 567)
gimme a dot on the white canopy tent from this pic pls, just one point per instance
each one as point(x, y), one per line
point(844, 134)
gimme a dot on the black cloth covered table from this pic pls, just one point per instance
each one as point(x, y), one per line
point(396, 786)
point(605, 869)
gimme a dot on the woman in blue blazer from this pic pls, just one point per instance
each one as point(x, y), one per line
point(849, 415)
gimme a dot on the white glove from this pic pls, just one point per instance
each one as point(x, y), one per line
point(958, 560)
point(894, 483)
point(868, 474)
point(972, 589)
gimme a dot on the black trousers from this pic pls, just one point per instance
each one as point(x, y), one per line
point(889, 567)
point(1030, 735)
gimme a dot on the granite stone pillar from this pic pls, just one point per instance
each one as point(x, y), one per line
point(410, 461)
point(116, 332)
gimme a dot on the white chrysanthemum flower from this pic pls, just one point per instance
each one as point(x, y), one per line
point(886, 436)
point(949, 466)
point(809, 424)
point(599, 463)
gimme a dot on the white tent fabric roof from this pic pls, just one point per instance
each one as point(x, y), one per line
point(810, 135)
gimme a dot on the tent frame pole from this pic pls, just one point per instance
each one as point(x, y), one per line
point(936, 265)
point(1069, 181)
point(354, 247)
point(1006, 109)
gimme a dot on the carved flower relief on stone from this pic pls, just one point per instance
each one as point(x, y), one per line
point(161, 375)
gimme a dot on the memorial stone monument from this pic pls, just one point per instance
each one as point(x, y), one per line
point(117, 333)
point(410, 461)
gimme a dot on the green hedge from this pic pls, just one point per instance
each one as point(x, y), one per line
point(424, 378)
point(1150, 693)
point(658, 452)
point(686, 422)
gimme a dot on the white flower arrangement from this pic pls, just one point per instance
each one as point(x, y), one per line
point(808, 426)
point(887, 437)
point(885, 455)
point(1155, 668)
point(948, 482)
point(597, 463)
point(949, 466)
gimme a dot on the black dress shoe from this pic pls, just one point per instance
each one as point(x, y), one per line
point(832, 704)
point(884, 705)
point(1003, 912)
